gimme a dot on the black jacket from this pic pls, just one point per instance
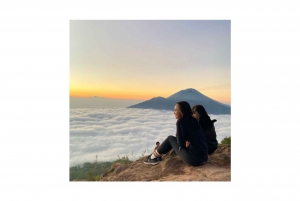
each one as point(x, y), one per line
point(210, 133)
point(188, 129)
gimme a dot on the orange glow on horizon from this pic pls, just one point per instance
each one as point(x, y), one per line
point(113, 95)
point(138, 95)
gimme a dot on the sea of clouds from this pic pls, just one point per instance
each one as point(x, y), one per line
point(110, 133)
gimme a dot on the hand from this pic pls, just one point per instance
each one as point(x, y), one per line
point(187, 143)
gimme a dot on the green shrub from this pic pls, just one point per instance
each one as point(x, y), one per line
point(226, 140)
point(89, 171)
point(123, 160)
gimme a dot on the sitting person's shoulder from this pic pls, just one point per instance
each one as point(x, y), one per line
point(187, 120)
point(180, 121)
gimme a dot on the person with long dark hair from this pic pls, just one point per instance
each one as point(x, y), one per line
point(187, 129)
point(208, 127)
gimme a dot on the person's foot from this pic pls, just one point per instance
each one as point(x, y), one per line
point(150, 161)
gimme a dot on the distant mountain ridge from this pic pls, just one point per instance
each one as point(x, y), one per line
point(192, 96)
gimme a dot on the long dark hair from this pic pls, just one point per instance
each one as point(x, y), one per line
point(200, 111)
point(185, 108)
point(203, 118)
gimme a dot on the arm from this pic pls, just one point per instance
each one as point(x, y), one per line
point(180, 135)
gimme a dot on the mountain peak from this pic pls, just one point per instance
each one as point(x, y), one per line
point(188, 94)
point(191, 89)
point(192, 96)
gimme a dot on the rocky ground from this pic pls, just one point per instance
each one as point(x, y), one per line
point(217, 168)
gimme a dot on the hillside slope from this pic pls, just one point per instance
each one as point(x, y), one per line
point(218, 168)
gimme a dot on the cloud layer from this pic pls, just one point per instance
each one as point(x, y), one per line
point(112, 132)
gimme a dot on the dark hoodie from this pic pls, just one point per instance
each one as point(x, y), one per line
point(188, 129)
point(210, 133)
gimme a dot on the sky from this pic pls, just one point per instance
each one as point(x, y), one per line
point(142, 59)
point(112, 132)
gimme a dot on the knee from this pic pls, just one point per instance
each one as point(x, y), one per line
point(170, 137)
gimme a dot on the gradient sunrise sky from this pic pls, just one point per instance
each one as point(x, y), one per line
point(142, 59)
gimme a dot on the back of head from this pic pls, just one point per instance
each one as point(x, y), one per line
point(204, 119)
point(185, 108)
point(200, 110)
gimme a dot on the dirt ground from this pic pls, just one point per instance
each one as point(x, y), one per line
point(217, 168)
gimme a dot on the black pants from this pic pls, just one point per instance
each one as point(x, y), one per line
point(185, 154)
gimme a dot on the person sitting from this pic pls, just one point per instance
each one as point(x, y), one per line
point(208, 127)
point(187, 129)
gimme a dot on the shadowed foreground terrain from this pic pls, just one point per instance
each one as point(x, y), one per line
point(217, 168)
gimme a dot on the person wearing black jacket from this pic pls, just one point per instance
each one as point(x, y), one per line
point(208, 127)
point(187, 129)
